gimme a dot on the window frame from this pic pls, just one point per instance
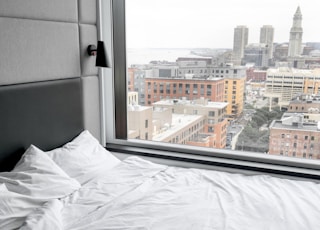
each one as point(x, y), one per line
point(114, 97)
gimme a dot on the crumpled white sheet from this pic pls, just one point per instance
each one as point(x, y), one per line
point(138, 194)
point(47, 217)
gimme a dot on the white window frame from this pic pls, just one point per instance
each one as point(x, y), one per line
point(113, 80)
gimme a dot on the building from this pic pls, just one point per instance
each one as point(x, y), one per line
point(234, 95)
point(240, 41)
point(293, 137)
point(307, 105)
point(198, 123)
point(180, 128)
point(130, 79)
point(256, 75)
point(133, 98)
point(198, 78)
point(257, 54)
point(281, 52)
point(266, 37)
point(305, 62)
point(194, 67)
point(139, 122)
point(136, 81)
point(163, 69)
point(314, 45)
point(213, 113)
point(184, 129)
point(176, 88)
point(288, 83)
point(295, 41)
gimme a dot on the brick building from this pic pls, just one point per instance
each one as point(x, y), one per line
point(256, 75)
point(157, 89)
point(293, 137)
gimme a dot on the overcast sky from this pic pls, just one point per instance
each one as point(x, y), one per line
point(210, 23)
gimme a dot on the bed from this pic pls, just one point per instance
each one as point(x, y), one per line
point(56, 175)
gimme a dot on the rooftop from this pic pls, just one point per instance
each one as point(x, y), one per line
point(295, 122)
point(302, 127)
point(293, 71)
point(138, 107)
point(201, 102)
point(179, 122)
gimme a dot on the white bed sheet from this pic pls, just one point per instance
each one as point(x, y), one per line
point(138, 194)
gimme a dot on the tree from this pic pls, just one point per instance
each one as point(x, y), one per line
point(251, 138)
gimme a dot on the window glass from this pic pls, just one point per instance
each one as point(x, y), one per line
point(225, 74)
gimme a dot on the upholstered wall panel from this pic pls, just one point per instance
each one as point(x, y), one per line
point(34, 50)
point(88, 35)
point(90, 90)
point(54, 10)
point(43, 40)
point(87, 11)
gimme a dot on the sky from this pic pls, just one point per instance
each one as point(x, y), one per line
point(211, 23)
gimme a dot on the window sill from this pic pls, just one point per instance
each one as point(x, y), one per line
point(230, 161)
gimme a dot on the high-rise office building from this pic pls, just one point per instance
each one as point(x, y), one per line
point(266, 37)
point(295, 42)
point(240, 40)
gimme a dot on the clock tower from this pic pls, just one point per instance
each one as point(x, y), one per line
point(295, 42)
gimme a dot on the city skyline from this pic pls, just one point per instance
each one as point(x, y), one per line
point(147, 28)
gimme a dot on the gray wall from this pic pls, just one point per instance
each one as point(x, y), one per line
point(44, 40)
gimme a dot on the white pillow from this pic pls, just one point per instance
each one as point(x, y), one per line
point(36, 175)
point(83, 158)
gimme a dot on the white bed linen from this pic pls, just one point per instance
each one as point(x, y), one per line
point(35, 181)
point(138, 194)
point(14, 208)
point(46, 217)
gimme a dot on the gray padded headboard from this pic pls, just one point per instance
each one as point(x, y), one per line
point(46, 114)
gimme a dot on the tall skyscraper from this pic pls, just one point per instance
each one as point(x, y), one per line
point(295, 42)
point(266, 37)
point(240, 41)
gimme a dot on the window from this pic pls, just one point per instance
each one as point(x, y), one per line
point(243, 112)
point(211, 113)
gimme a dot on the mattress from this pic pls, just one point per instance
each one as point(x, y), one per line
point(138, 194)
